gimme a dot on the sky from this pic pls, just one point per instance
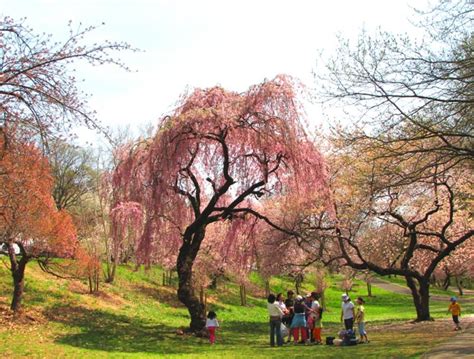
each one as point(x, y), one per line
point(202, 43)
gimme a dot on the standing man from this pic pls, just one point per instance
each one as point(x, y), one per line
point(347, 312)
point(275, 313)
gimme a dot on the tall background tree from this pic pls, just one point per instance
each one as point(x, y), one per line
point(400, 90)
point(73, 171)
point(212, 160)
point(407, 150)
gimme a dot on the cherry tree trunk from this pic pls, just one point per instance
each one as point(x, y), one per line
point(369, 289)
point(267, 287)
point(446, 282)
point(19, 284)
point(187, 254)
point(18, 274)
point(459, 285)
point(322, 299)
point(298, 285)
point(97, 281)
point(111, 269)
point(213, 284)
point(420, 291)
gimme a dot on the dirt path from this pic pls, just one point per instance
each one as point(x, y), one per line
point(459, 346)
point(392, 287)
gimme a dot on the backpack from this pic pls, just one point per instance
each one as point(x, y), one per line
point(349, 338)
point(330, 340)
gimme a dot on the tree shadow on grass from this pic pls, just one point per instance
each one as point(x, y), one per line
point(109, 332)
point(102, 330)
point(160, 294)
point(168, 296)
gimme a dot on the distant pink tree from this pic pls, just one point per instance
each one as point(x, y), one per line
point(127, 222)
point(458, 265)
point(211, 161)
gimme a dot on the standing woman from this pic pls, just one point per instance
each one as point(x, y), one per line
point(275, 313)
point(298, 324)
point(289, 303)
point(282, 305)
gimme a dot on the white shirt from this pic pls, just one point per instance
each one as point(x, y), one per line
point(274, 309)
point(212, 323)
point(347, 310)
point(282, 305)
point(314, 306)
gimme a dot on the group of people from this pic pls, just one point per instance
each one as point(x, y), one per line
point(304, 316)
point(298, 315)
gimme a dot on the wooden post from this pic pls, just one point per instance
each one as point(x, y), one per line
point(243, 295)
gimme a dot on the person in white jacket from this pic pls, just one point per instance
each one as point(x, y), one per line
point(347, 312)
point(275, 313)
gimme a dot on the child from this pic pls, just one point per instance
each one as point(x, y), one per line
point(298, 324)
point(360, 320)
point(212, 324)
point(318, 326)
point(455, 310)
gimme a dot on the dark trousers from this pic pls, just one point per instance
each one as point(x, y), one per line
point(275, 330)
point(349, 323)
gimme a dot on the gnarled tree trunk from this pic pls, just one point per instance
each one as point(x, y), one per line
point(187, 255)
point(420, 290)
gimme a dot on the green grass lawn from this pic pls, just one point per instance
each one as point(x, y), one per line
point(137, 317)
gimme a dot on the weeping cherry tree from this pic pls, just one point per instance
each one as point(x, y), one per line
point(212, 160)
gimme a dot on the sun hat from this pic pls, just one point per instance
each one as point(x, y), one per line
point(453, 299)
point(299, 297)
point(344, 296)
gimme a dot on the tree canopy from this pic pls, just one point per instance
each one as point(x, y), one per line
point(212, 160)
point(30, 224)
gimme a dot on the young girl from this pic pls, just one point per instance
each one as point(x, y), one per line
point(212, 324)
point(318, 326)
point(360, 320)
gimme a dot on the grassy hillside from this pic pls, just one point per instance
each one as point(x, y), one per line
point(137, 317)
